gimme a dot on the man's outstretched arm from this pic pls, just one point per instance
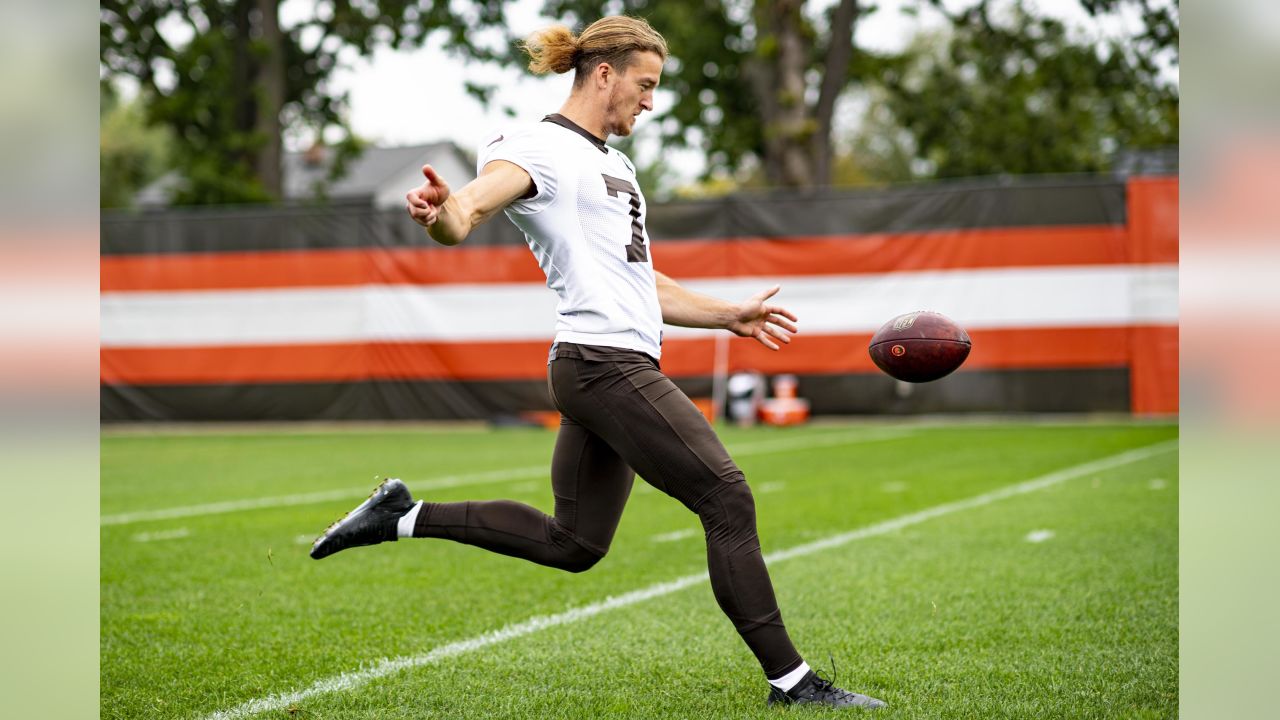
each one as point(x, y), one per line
point(449, 217)
point(753, 317)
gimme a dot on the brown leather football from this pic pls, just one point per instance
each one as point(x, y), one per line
point(920, 346)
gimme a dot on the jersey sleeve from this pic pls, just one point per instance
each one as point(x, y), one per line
point(531, 155)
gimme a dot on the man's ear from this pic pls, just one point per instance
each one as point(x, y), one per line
point(604, 71)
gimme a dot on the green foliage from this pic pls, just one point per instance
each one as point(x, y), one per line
point(1019, 95)
point(226, 92)
point(131, 153)
point(1159, 22)
point(999, 97)
point(1040, 102)
point(711, 44)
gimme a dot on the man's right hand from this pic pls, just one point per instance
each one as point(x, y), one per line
point(449, 217)
point(424, 201)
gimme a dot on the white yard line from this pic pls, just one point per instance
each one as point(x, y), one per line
point(765, 447)
point(1038, 536)
point(533, 471)
point(674, 536)
point(312, 498)
point(390, 666)
point(162, 535)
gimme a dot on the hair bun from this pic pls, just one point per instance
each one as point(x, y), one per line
point(553, 49)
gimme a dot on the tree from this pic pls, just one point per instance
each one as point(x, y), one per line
point(757, 81)
point(235, 79)
point(1018, 95)
point(130, 152)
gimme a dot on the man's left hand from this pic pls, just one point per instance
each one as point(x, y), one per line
point(768, 324)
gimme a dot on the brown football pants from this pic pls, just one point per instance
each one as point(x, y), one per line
point(621, 415)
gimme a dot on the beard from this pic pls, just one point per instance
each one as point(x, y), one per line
point(619, 120)
point(623, 127)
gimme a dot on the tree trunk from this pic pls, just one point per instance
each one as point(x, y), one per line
point(782, 50)
point(270, 88)
point(243, 74)
point(258, 87)
point(835, 73)
point(797, 137)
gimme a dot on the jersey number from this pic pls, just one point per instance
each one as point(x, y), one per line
point(636, 251)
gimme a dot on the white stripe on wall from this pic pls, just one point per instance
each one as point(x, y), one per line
point(1105, 296)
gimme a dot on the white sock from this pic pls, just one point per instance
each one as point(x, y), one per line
point(788, 681)
point(404, 526)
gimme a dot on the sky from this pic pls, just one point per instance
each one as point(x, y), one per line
point(406, 97)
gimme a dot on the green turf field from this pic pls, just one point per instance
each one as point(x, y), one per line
point(916, 555)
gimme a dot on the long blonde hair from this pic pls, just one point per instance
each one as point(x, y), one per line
point(610, 40)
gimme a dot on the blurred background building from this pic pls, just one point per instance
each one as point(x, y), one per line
point(377, 176)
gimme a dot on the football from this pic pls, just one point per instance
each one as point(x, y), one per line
point(920, 346)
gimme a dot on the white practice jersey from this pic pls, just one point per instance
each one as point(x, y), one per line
point(585, 225)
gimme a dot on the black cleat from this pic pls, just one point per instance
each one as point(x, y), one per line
point(372, 522)
point(815, 690)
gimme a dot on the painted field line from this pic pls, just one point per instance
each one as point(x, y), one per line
point(674, 535)
point(1039, 536)
point(390, 666)
point(532, 471)
point(312, 498)
point(767, 447)
point(162, 535)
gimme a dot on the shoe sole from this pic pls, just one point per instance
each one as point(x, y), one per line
point(381, 491)
point(772, 702)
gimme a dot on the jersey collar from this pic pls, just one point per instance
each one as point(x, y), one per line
point(568, 124)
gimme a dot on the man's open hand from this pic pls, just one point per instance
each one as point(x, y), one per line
point(766, 323)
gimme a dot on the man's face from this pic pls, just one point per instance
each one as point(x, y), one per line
point(632, 92)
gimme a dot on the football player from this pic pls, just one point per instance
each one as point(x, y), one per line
point(580, 206)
